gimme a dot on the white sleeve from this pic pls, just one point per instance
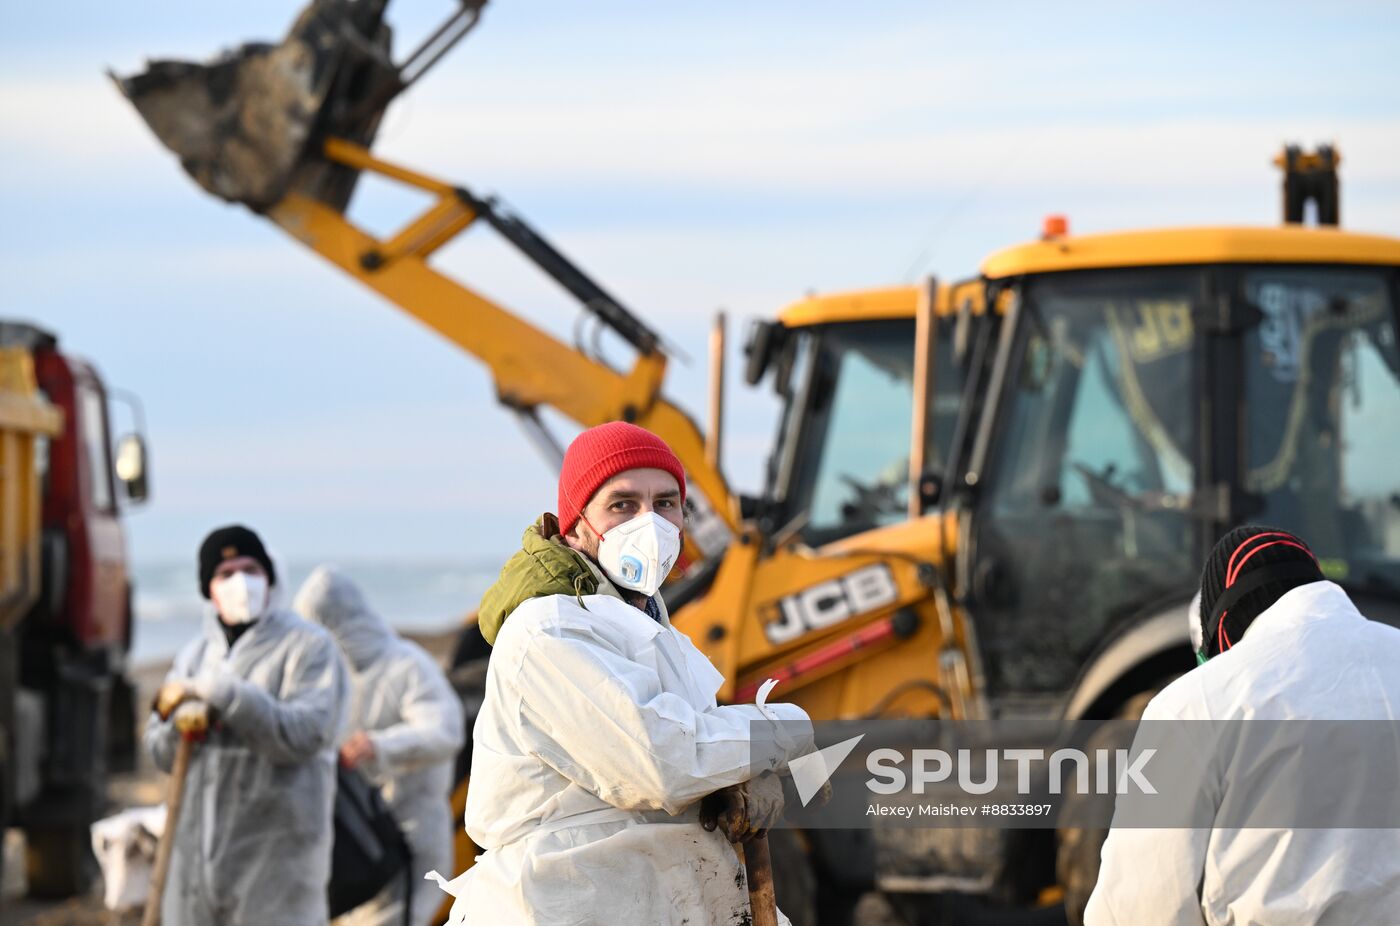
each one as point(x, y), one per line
point(430, 727)
point(603, 721)
point(305, 720)
point(1154, 875)
point(1150, 876)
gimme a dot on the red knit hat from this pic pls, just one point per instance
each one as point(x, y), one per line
point(599, 454)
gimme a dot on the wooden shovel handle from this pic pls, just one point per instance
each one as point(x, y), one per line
point(758, 865)
point(183, 752)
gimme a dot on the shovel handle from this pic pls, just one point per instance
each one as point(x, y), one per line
point(183, 752)
point(758, 865)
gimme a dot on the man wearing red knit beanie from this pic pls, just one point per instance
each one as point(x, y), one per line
point(599, 736)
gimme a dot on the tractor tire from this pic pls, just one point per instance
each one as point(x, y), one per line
point(60, 861)
point(1077, 848)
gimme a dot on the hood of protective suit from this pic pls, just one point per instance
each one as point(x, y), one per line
point(543, 566)
point(330, 599)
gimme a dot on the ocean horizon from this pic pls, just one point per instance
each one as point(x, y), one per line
point(425, 596)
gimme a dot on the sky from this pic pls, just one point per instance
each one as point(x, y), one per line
point(691, 157)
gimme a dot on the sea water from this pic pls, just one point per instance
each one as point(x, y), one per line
point(426, 597)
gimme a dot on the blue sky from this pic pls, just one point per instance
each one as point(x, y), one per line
point(690, 156)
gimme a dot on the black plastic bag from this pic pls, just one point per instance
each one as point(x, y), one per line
point(369, 849)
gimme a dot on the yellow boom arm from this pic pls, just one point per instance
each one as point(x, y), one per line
point(531, 367)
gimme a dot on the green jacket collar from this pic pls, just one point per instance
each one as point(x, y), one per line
point(544, 565)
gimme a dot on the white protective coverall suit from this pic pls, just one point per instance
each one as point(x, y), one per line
point(402, 700)
point(598, 736)
point(1311, 655)
point(253, 843)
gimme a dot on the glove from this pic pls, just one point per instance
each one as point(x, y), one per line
point(192, 719)
point(172, 695)
point(745, 810)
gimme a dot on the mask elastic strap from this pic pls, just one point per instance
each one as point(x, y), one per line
point(1252, 583)
point(583, 517)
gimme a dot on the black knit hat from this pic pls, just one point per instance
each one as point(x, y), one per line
point(1250, 568)
point(229, 543)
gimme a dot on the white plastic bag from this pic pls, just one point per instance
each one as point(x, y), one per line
point(125, 846)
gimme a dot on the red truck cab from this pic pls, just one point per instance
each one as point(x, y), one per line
point(81, 514)
point(71, 716)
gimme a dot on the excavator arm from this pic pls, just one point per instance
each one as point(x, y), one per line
point(284, 130)
point(532, 369)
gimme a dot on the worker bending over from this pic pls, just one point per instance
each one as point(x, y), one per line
point(599, 733)
point(1277, 642)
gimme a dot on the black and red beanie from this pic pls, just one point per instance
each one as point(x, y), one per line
point(1250, 569)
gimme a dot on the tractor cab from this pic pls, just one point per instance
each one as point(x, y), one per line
point(1146, 392)
point(844, 367)
point(1127, 399)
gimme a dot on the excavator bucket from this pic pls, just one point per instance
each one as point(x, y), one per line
point(248, 126)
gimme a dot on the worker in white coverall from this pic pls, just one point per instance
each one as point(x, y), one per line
point(404, 731)
point(1277, 642)
point(268, 692)
point(599, 734)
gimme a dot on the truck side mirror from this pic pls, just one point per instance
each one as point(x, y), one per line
point(131, 468)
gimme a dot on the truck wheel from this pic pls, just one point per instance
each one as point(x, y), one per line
point(1077, 848)
point(60, 862)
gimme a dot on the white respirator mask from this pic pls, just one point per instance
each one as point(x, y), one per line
point(638, 554)
point(241, 597)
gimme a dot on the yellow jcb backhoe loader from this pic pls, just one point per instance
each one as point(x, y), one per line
point(988, 499)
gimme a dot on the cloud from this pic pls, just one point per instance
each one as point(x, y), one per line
point(669, 148)
point(913, 107)
point(56, 123)
point(689, 159)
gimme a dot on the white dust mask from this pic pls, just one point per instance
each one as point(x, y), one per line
point(638, 554)
point(241, 597)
